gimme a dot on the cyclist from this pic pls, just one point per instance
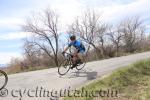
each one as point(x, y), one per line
point(80, 49)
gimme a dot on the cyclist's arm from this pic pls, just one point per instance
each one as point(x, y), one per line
point(66, 49)
point(69, 45)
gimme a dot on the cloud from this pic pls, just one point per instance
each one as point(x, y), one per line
point(11, 21)
point(148, 26)
point(12, 46)
point(14, 35)
point(119, 11)
point(68, 9)
point(8, 25)
point(112, 10)
point(5, 57)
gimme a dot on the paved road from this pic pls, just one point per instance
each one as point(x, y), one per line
point(44, 83)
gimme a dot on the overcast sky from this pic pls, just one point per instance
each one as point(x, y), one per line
point(14, 13)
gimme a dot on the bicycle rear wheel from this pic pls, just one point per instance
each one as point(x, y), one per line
point(64, 67)
point(3, 79)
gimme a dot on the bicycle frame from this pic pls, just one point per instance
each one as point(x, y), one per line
point(68, 56)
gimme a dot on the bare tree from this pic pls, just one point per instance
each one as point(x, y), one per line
point(101, 35)
point(44, 30)
point(32, 54)
point(115, 36)
point(132, 28)
point(88, 27)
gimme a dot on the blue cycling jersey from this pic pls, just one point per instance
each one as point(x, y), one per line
point(78, 45)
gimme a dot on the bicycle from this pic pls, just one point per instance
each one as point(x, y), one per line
point(3, 79)
point(67, 63)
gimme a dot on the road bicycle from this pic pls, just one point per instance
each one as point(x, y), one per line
point(67, 63)
point(3, 79)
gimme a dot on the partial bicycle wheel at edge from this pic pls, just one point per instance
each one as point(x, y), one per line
point(3, 79)
point(64, 67)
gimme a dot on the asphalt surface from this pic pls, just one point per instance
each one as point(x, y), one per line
point(46, 84)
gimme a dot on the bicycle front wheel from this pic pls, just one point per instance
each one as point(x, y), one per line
point(3, 79)
point(64, 67)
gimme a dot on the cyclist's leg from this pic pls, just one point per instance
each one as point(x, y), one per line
point(75, 58)
point(80, 56)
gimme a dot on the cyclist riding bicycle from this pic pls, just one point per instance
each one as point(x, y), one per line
point(80, 49)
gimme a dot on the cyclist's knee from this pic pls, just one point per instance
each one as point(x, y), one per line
point(75, 54)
